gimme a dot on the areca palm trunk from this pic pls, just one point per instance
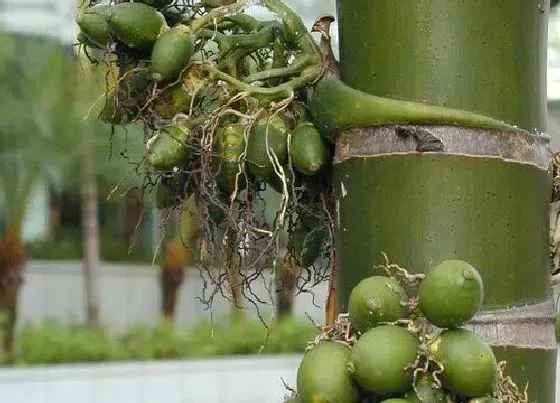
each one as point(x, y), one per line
point(485, 197)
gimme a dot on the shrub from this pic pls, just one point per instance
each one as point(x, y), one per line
point(54, 343)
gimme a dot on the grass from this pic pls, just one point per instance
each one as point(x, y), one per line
point(54, 343)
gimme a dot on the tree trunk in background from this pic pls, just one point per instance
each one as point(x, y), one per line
point(55, 215)
point(485, 199)
point(285, 287)
point(234, 279)
point(90, 236)
point(12, 259)
point(172, 276)
point(133, 213)
point(176, 257)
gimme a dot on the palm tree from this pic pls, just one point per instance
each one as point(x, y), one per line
point(30, 146)
point(49, 131)
point(93, 160)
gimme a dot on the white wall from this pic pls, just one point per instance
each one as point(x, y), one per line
point(129, 294)
point(36, 222)
point(229, 380)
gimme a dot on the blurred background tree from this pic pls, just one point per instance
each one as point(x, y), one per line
point(49, 132)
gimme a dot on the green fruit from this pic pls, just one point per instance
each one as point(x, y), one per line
point(122, 105)
point(396, 400)
point(171, 191)
point(322, 376)
point(94, 26)
point(164, 196)
point(276, 183)
point(171, 53)
point(376, 299)
point(135, 24)
point(259, 163)
point(180, 97)
point(84, 40)
point(451, 293)
point(230, 145)
point(557, 327)
point(484, 400)
point(111, 114)
point(306, 245)
point(168, 150)
point(172, 101)
point(134, 81)
point(308, 150)
point(424, 392)
point(300, 111)
point(470, 367)
point(379, 358)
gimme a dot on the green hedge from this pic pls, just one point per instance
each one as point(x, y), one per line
point(53, 343)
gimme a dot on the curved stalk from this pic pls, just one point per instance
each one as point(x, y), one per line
point(299, 64)
point(226, 43)
point(282, 91)
point(241, 20)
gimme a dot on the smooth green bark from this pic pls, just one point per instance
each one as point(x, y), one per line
point(424, 208)
point(483, 56)
point(420, 208)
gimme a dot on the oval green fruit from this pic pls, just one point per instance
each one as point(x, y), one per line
point(230, 145)
point(167, 150)
point(134, 83)
point(94, 26)
point(165, 196)
point(484, 400)
point(322, 376)
point(84, 40)
point(171, 53)
point(306, 244)
point(172, 101)
point(275, 181)
point(170, 191)
point(135, 24)
point(424, 392)
point(451, 293)
point(308, 150)
point(180, 97)
point(111, 114)
point(396, 400)
point(376, 299)
point(380, 360)
point(470, 367)
point(259, 162)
